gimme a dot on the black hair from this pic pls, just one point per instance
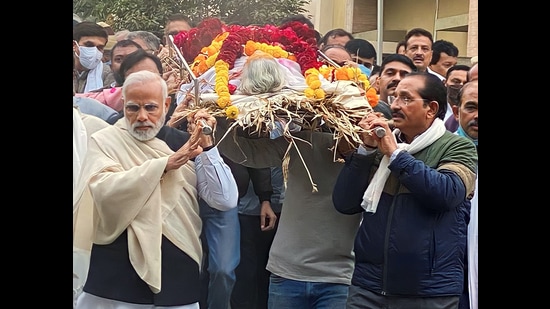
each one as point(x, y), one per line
point(376, 69)
point(334, 33)
point(418, 32)
point(88, 28)
point(297, 17)
point(457, 67)
point(318, 36)
point(124, 43)
point(361, 48)
point(442, 46)
point(399, 44)
point(400, 58)
point(433, 90)
point(133, 58)
point(461, 92)
point(179, 16)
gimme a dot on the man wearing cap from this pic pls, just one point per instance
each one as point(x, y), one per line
point(110, 42)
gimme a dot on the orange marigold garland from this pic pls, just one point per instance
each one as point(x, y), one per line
point(292, 40)
point(221, 86)
point(213, 43)
point(332, 74)
point(232, 112)
point(314, 90)
point(208, 55)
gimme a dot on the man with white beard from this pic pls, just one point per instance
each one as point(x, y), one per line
point(143, 200)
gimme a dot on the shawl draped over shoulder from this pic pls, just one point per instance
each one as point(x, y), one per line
point(131, 192)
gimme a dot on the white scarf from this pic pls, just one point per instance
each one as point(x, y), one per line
point(94, 79)
point(376, 186)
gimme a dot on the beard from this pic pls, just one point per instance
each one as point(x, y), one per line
point(145, 135)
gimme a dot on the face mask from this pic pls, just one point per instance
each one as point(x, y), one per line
point(89, 57)
point(452, 94)
point(365, 70)
point(118, 78)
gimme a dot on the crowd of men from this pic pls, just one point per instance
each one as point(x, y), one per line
point(164, 216)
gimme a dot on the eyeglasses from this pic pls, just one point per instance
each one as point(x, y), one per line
point(402, 100)
point(134, 108)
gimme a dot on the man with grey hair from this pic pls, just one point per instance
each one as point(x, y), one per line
point(147, 40)
point(142, 198)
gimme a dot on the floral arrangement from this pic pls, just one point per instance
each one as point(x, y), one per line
point(213, 43)
point(330, 73)
point(293, 37)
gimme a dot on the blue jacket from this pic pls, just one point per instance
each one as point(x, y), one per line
point(415, 242)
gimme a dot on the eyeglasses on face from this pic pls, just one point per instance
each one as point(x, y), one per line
point(134, 108)
point(401, 100)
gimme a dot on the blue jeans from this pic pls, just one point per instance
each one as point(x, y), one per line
point(222, 232)
point(292, 294)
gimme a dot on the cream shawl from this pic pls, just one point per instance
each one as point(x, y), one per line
point(125, 178)
point(376, 186)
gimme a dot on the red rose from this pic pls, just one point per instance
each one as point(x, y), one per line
point(232, 88)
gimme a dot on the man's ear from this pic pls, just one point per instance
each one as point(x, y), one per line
point(433, 108)
point(167, 103)
point(75, 46)
point(455, 111)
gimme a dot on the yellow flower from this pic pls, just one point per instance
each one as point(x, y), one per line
point(223, 101)
point(311, 71)
point(325, 71)
point(309, 93)
point(206, 59)
point(232, 112)
point(320, 93)
point(221, 88)
point(275, 51)
point(315, 84)
point(211, 60)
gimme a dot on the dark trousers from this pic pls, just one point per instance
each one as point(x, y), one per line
point(252, 286)
point(359, 298)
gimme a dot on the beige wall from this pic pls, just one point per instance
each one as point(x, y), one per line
point(451, 20)
point(472, 29)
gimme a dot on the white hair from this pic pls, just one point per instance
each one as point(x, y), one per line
point(144, 77)
point(261, 74)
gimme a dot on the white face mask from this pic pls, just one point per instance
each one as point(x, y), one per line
point(89, 57)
